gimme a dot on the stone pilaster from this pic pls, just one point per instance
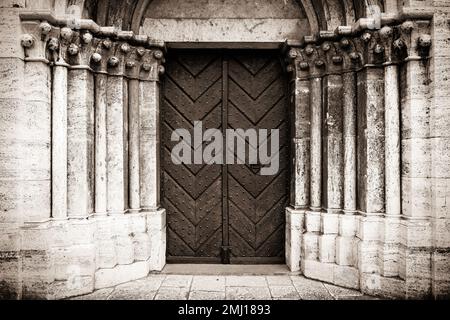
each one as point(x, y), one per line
point(36, 93)
point(301, 131)
point(415, 108)
point(440, 173)
point(37, 90)
point(149, 130)
point(416, 226)
point(90, 111)
point(16, 115)
point(294, 233)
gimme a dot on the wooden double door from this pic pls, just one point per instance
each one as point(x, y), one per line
point(224, 213)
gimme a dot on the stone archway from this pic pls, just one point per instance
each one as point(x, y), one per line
point(355, 219)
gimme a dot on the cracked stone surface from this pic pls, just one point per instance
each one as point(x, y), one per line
point(224, 287)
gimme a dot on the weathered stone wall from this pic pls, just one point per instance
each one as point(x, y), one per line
point(367, 218)
point(79, 140)
point(14, 115)
point(227, 22)
point(440, 152)
point(71, 221)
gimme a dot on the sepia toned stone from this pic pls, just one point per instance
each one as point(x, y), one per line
point(80, 146)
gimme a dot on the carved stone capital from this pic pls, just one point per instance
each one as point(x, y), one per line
point(415, 39)
point(34, 40)
point(371, 48)
point(342, 50)
point(110, 52)
point(334, 57)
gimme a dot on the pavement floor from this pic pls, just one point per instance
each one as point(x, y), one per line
point(218, 282)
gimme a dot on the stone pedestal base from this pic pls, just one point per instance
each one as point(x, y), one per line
point(294, 231)
point(60, 259)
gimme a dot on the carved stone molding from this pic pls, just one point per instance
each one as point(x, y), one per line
point(343, 51)
point(109, 52)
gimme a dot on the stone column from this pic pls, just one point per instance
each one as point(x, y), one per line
point(349, 123)
point(80, 125)
point(392, 125)
point(316, 143)
point(349, 119)
point(115, 143)
point(312, 67)
point(101, 178)
point(133, 67)
point(300, 132)
point(311, 238)
point(59, 136)
point(126, 172)
point(390, 252)
point(99, 63)
point(347, 222)
point(392, 132)
point(333, 152)
point(134, 143)
point(115, 115)
point(371, 127)
point(370, 151)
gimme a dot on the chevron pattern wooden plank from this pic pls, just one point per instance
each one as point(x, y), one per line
point(257, 99)
point(192, 194)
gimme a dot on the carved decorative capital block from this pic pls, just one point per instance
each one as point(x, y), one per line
point(35, 38)
point(415, 39)
point(345, 50)
point(106, 51)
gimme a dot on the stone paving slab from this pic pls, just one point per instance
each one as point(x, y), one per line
point(246, 281)
point(248, 293)
point(221, 287)
point(227, 270)
point(310, 289)
point(102, 294)
point(284, 292)
point(279, 281)
point(337, 292)
point(208, 283)
point(172, 293)
point(207, 295)
point(177, 281)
